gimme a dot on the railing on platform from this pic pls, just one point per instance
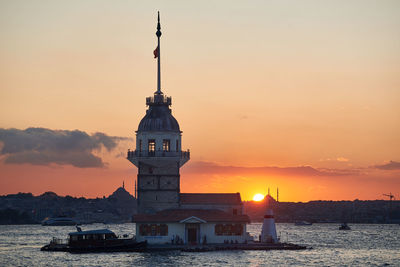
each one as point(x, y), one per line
point(158, 99)
point(59, 241)
point(145, 153)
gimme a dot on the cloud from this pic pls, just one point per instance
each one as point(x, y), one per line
point(338, 159)
point(41, 146)
point(392, 165)
point(202, 167)
point(342, 159)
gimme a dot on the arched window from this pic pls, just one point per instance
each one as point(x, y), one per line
point(153, 229)
point(165, 145)
point(151, 146)
point(228, 229)
point(219, 229)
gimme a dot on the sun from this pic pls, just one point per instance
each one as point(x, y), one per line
point(258, 197)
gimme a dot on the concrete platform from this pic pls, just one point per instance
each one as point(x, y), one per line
point(218, 247)
point(185, 248)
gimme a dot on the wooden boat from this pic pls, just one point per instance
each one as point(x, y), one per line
point(102, 240)
point(59, 221)
point(302, 223)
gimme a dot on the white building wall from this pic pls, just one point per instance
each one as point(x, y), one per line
point(206, 229)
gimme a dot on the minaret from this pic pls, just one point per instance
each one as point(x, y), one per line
point(277, 194)
point(158, 154)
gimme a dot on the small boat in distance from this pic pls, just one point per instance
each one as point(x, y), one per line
point(59, 221)
point(344, 226)
point(302, 223)
point(102, 240)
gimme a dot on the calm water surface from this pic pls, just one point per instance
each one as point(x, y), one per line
point(364, 245)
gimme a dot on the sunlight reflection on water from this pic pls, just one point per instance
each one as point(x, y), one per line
point(364, 245)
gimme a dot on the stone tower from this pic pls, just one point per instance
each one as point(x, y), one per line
point(158, 155)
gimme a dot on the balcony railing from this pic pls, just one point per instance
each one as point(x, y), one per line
point(145, 153)
point(158, 99)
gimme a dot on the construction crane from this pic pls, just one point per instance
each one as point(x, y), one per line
point(391, 197)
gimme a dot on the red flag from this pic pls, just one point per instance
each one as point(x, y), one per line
point(155, 52)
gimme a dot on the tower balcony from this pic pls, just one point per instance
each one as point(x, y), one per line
point(158, 100)
point(157, 157)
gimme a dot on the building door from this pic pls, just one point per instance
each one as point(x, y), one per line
point(192, 233)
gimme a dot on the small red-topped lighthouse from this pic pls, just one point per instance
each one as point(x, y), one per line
point(268, 232)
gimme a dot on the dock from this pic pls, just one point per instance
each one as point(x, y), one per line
point(184, 248)
point(219, 247)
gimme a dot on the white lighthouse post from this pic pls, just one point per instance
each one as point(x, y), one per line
point(268, 232)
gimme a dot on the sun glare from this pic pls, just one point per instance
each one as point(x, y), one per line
point(258, 197)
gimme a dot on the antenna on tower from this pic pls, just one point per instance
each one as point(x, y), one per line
point(157, 54)
point(268, 191)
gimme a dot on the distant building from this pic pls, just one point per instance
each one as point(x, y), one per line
point(165, 214)
point(124, 203)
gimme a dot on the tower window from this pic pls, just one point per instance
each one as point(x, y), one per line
point(140, 145)
point(165, 145)
point(177, 145)
point(152, 146)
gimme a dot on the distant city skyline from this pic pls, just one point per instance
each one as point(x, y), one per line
point(300, 95)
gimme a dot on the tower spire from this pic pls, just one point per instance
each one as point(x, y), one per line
point(158, 33)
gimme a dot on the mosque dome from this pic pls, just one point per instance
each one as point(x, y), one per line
point(158, 118)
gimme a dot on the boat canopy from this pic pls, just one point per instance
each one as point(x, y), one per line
point(92, 232)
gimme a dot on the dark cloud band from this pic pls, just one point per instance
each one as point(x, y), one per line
point(41, 146)
point(392, 165)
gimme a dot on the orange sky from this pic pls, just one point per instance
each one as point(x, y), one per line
point(254, 84)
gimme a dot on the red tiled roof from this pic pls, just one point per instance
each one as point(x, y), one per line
point(208, 198)
point(177, 215)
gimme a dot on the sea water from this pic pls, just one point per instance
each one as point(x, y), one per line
point(363, 245)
